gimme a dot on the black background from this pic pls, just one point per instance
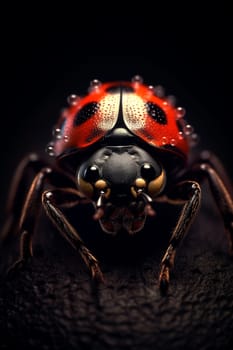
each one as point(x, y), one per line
point(48, 54)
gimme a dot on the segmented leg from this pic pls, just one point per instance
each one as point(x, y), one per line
point(210, 158)
point(222, 197)
point(51, 201)
point(209, 167)
point(28, 218)
point(188, 192)
point(30, 206)
point(29, 166)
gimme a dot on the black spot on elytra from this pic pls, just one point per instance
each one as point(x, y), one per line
point(86, 113)
point(156, 113)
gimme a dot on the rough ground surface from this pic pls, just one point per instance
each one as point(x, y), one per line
point(52, 303)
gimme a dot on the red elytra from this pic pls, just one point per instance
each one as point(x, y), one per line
point(144, 114)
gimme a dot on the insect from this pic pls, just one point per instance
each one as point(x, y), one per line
point(124, 147)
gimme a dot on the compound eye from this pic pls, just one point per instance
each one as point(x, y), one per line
point(148, 172)
point(91, 174)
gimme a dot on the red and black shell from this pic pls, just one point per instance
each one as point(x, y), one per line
point(132, 105)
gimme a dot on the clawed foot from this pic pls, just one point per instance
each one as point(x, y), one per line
point(92, 263)
point(96, 273)
point(164, 278)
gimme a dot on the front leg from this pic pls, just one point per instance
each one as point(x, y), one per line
point(30, 211)
point(59, 197)
point(188, 192)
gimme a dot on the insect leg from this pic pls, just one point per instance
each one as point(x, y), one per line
point(28, 218)
point(189, 193)
point(31, 163)
point(221, 190)
point(51, 201)
point(212, 159)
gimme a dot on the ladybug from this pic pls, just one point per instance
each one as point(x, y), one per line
point(124, 147)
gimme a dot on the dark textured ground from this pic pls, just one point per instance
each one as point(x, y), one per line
point(52, 304)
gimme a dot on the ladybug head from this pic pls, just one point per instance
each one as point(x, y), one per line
point(122, 181)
